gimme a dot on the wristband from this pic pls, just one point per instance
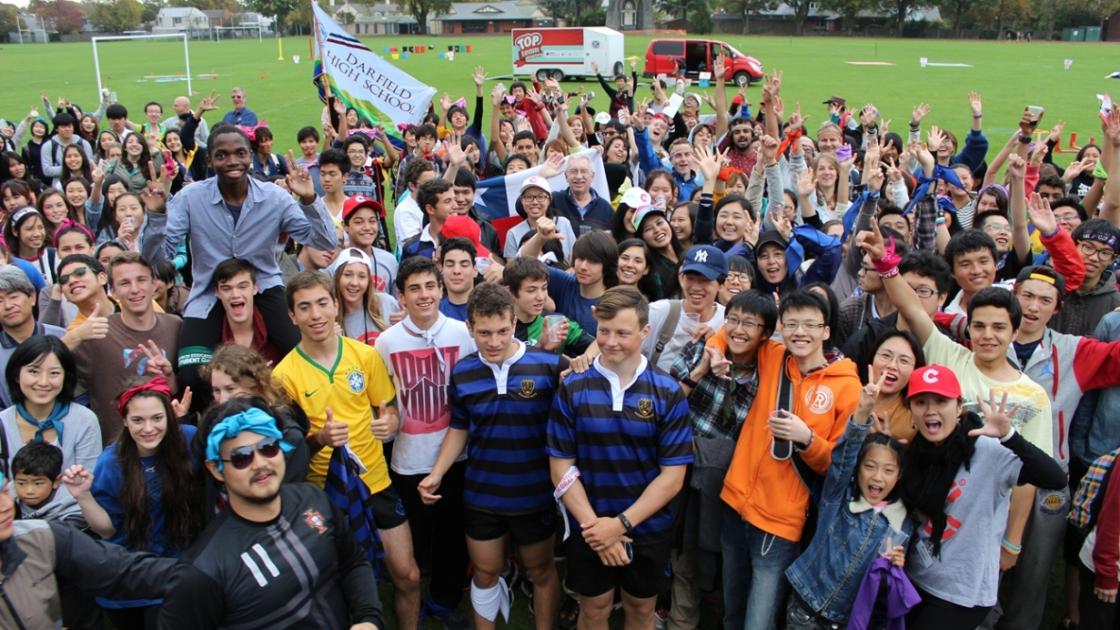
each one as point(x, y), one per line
point(1024, 139)
point(1008, 436)
point(890, 273)
point(977, 116)
point(1010, 547)
point(939, 220)
point(626, 524)
point(889, 261)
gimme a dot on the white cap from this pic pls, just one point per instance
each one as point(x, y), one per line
point(535, 181)
point(349, 255)
point(602, 118)
point(635, 197)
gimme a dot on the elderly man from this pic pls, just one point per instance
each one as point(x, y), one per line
point(579, 203)
point(240, 115)
point(182, 107)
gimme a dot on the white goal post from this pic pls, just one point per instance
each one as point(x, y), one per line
point(245, 28)
point(97, 60)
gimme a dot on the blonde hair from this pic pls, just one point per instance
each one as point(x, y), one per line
point(369, 298)
point(247, 368)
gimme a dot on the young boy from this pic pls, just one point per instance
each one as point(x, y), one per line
point(308, 138)
point(420, 352)
point(766, 497)
point(333, 169)
point(37, 473)
point(437, 201)
point(500, 398)
point(619, 443)
point(527, 280)
point(361, 217)
point(338, 382)
point(456, 265)
point(243, 324)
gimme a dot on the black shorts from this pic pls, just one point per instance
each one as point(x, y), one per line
point(523, 529)
point(647, 575)
point(388, 509)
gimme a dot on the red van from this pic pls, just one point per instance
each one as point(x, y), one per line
point(666, 56)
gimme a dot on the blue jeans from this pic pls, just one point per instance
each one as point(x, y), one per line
point(754, 581)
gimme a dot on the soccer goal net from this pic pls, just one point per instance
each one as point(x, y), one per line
point(154, 77)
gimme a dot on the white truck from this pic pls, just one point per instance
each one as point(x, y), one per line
point(567, 52)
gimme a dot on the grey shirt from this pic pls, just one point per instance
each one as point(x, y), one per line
point(967, 571)
point(200, 213)
point(201, 134)
point(81, 444)
point(8, 346)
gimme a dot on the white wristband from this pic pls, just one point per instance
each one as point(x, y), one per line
point(1007, 437)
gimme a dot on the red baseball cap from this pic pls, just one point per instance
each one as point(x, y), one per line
point(360, 201)
point(462, 226)
point(934, 379)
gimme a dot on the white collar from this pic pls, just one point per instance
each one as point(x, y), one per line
point(501, 372)
point(618, 390)
point(894, 512)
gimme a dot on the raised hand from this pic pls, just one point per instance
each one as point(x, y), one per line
point(595, 67)
point(182, 407)
point(869, 394)
point(78, 480)
point(705, 162)
point(935, 138)
point(209, 103)
point(299, 181)
point(1056, 131)
point(806, 183)
point(975, 103)
point(1042, 216)
point(1016, 166)
point(479, 76)
point(496, 95)
point(796, 119)
point(782, 224)
point(338, 106)
point(552, 166)
point(872, 242)
point(1112, 127)
point(769, 150)
point(158, 364)
point(455, 154)
point(719, 66)
point(869, 115)
point(546, 227)
point(445, 102)
point(997, 418)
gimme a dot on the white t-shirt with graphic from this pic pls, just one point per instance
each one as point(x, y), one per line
point(420, 364)
point(682, 336)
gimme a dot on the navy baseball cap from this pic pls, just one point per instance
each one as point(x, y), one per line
point(706, 260)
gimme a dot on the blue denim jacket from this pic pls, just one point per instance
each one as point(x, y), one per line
point(827, 576)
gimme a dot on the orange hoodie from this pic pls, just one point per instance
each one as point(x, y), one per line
point(766, 492)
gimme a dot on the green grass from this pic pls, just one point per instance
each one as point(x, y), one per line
point(1008, 75)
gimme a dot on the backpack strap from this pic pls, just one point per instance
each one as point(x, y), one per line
point(668, 327)
point(807, 475)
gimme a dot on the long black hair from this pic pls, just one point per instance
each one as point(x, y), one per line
point(929, 470)
point(880, 439)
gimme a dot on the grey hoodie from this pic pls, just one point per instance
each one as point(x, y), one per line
point(1081, 312)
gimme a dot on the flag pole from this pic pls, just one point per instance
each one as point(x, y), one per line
point(325, 76)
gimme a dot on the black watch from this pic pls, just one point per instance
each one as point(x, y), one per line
point(626, 524)
point(688, 381)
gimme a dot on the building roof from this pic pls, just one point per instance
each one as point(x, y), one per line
point(505, 10)
point(173, 12)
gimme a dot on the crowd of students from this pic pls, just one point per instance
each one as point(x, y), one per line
point(722, 364)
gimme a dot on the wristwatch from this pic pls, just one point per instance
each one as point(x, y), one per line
point(626, 524)
point(688, 381)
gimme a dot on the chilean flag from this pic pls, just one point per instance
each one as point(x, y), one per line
point(497, 196)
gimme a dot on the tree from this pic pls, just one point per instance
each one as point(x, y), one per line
point(8, 15)
point(848, 10)
point(800, 13)
point(229, 6)
point(63, 15)
point(149, 10)
point(421, 9)
point(576, 12)
point(900, 9)
point(957, 10)
point(747, 8)
point(116, 16)
point(278, 8)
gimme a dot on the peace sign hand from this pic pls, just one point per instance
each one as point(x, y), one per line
point(997, 418)
point(299, 181)
point(157, 365)
point(868, 395)
point(182, 407)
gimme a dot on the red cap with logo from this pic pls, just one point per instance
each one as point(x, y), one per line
point(934, 379)
point(360, 201)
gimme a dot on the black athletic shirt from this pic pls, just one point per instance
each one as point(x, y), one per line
point(301, 570)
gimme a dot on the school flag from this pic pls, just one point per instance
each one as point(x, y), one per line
point(362, 79)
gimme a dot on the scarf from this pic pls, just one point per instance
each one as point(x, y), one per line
point(940, 173)
point(53, 421)
point(929, 470)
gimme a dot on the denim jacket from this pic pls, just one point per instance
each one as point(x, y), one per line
point(827, 576)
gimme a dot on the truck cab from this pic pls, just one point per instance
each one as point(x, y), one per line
point(690, 57)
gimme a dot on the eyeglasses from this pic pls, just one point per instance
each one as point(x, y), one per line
point(810, 327)
point(80, 272)
point(242, 456)
point(992, 228)
point(738, 276)
point(889, 357)
point(924, 292)
point(1066, 217)
point(1104, 254)
point(732, 322)
point(535, 198)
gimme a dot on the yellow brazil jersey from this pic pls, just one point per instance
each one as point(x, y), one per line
point(352, 388)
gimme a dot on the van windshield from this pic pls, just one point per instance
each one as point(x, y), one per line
point(730, 51)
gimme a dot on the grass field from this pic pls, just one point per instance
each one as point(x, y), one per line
point(1008, 75)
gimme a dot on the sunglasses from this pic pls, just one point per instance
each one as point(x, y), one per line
point(80, 272)
point(242, 456)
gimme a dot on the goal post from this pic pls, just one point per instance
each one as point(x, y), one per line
point(97, 59)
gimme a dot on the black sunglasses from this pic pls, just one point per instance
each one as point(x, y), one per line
point(242, 456)
point(80, 272)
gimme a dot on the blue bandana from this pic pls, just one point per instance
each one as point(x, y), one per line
point(253, 419)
